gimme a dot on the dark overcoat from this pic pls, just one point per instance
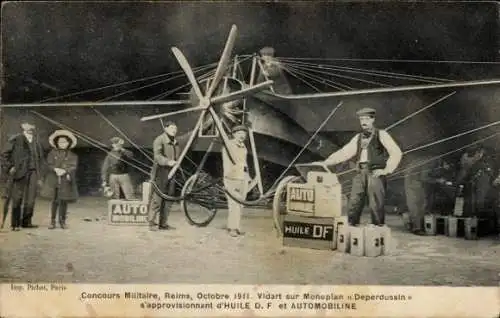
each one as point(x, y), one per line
point(17, 154)
point(68, 190)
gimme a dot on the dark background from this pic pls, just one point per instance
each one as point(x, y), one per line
point(74, 46)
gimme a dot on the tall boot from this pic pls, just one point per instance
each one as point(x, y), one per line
point(15, 218)
point(53, 214)
point(63, 210)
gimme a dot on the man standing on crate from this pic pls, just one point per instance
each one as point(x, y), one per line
point(377, 155)
point(166, 151)
point(115, 170)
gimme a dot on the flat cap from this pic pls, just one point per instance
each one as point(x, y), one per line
point(239, 128)
point(366, 112)
point(117, 140)
point(169, 123)
point(269, 51)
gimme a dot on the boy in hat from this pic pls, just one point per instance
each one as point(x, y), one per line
point(23, 158)
point(236, 177)
point(60, 182)
point(115, 170)
point(377, 155)
point(166, 152)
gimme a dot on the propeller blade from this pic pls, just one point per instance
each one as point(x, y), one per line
point(147, 118)
point(242, 93)
point(222, 133)
point(224, 61)
point(188, 70)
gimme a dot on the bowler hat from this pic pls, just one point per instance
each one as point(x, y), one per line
point(62, 133)
point(366, 112)
point(27, 126)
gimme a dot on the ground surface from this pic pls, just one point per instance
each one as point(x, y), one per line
point(94, 252)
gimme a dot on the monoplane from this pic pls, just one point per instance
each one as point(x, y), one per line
point(220, 100)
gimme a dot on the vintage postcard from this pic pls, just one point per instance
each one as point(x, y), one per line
point(266, 159)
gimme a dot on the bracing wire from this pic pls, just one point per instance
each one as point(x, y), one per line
point(120, 84)
point(377, 73)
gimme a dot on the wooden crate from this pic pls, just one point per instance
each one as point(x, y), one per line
point(309, 232)
point(436, 224)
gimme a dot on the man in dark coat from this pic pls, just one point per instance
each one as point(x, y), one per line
point(166, 152)
point(421, 184)
point(22, 158)
point(476, 174)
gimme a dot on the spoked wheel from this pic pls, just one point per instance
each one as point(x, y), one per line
point(201, 199)
point(279, 203)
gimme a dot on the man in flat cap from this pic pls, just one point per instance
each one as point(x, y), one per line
point(236, 177)
point(271, 69)
point(377, 155)
point(166, 151)
point(23, 160)
point(115, 170)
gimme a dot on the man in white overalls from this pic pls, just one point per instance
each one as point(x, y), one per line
point(236, 177)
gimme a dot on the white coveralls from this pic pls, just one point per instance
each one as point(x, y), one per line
point(235, 181)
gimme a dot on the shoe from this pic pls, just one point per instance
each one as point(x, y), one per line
point(166, 228)
point(233, 233)
point(240, 232)
point(30, 226)
point(52, 226)
point(16, 229)
point(64, 226)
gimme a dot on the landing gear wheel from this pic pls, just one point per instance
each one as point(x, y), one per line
point(200, 199)
point(279, 203)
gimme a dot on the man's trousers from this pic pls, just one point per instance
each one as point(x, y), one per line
point(23, 194)
point(158, 205)
point(123, 182)
point(238, 188)
point(367, 187)
point(418, 200)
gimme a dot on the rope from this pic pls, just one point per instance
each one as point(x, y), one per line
point(334, 110)
point(139, 88)
point(419, 111)
point(388, 60)
point(399, 172)
point(123, 134)
point(116, 85)
point(89, 140)
point(452, 137)
point(317, 78)
point(304, 81)
point(395, 75)
point(349, 77)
